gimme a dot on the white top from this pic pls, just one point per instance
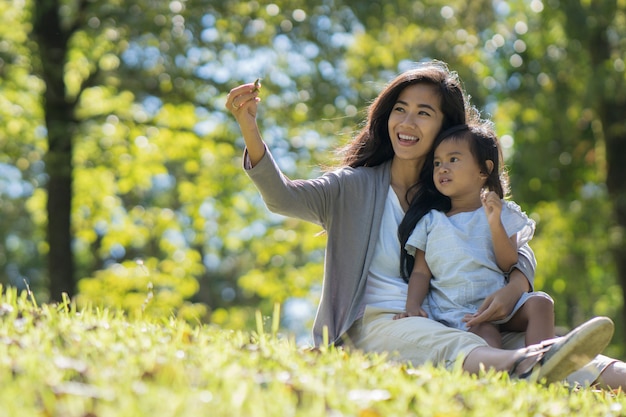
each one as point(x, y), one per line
point(385, 287)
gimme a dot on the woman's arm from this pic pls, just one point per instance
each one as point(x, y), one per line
point(526, 264)
point(300, 199)
point(520, 280)
point(242, 103)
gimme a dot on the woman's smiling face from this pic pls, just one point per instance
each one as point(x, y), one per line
point(415, 121)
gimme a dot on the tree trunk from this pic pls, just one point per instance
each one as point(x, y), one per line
point(615, 137)
point(612, 108)
point(52, 40)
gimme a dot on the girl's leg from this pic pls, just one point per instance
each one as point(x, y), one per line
point(490, 332)
point(536, 318)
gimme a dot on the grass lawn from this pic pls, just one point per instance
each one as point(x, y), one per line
point(56, 361)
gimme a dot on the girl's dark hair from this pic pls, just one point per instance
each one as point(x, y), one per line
point(372, 145)
point(484, 147)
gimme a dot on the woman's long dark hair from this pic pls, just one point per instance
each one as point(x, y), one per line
point(426, 198)
point(372, 145)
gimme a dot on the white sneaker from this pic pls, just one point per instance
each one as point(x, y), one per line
point(557, 358)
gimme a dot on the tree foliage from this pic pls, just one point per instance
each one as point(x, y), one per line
point(162, 215)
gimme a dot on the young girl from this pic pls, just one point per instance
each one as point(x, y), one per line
point(464, 247)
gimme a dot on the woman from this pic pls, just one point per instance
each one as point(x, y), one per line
point(360, 206)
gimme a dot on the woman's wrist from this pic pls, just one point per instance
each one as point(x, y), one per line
point(519, 281)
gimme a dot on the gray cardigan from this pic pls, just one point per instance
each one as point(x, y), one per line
point(348, 203)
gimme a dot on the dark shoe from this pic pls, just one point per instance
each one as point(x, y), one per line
point(553, 360)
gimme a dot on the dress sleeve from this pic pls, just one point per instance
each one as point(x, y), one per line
point(417, 238)
point(526, 264)
point(515, 220)
point(303, 199)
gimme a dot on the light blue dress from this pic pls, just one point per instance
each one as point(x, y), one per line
point(460, 254)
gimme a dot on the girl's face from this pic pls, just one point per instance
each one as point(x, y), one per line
point(456, 172)
point(415, 121)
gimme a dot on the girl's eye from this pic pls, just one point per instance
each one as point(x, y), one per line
point(437, 164)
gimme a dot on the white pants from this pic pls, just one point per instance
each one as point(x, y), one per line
point(419, 340)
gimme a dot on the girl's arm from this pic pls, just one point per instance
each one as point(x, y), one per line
point(419, 282)
point(505, 247)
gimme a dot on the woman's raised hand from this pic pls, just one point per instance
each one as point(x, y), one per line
point(242, 101)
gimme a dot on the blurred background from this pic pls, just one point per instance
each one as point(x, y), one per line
point(120, 170)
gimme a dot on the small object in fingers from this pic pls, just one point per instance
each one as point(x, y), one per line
point(257, 85)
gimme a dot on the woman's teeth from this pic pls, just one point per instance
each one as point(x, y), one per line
point(407, 137)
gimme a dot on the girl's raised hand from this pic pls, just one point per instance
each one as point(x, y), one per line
point(492, 204)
